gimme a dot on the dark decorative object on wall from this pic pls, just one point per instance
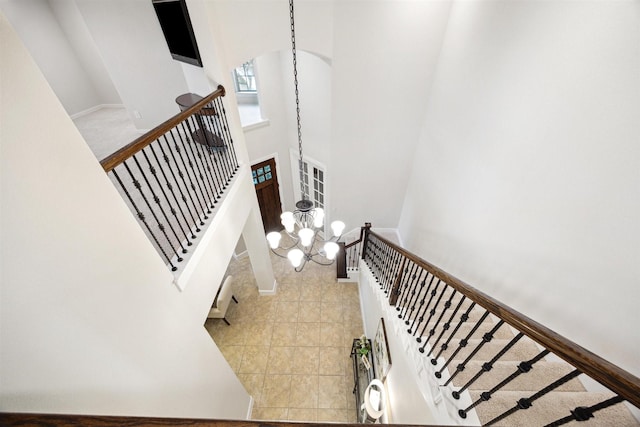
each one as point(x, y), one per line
point(381, 355)
point(178, 32)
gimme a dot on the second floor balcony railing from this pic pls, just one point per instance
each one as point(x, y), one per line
point(173, 176)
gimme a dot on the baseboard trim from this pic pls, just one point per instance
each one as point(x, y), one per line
point(241, 255)
point(270, 291)
point(250, 410)
point(94, 109)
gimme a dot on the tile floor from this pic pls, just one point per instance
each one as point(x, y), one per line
point(291, 350)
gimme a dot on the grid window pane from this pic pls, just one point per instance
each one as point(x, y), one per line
point(244, 78)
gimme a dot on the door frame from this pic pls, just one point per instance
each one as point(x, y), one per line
point(294, 156)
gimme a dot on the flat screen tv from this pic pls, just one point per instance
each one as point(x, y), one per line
point(176, 26)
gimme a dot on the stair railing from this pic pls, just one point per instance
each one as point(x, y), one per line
point(173, 176)
point(349, 255)
point(436, 307)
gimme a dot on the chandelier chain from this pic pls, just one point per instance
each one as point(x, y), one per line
point(295, 82)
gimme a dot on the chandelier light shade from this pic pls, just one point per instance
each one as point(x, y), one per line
point(303, 225)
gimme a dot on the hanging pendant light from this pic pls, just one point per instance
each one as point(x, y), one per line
point(303, 225)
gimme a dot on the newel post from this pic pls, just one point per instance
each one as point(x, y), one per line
point(364, 237)
point(341, 262)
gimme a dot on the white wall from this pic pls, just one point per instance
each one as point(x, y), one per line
point(525, 180)
point(77, 33)
point(40, 31)
point(406, 402)
point(383, 60)
point(135, 52)
point(252, 28)
point(91, 321)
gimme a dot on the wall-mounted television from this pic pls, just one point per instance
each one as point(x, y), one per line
point(178, 32)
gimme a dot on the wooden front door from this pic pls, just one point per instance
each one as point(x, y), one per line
point(265, 181)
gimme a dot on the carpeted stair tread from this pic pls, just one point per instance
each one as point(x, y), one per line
point(551, 407)
point(542, 374)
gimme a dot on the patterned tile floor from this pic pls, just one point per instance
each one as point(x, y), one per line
point(291, 350)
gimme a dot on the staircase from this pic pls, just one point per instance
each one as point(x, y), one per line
point(473, 364)
point(548, 370)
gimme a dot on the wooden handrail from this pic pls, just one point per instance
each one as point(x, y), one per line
point(113, 160)
point(15, 419)
point(611, 376)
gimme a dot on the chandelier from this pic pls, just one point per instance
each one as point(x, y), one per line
point(303, 225)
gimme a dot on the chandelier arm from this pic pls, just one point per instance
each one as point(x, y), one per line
point(301, 266)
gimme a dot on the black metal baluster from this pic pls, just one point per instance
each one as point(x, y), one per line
point(414, 291)
point(462, 344)
point(225, 125)
point(523, 368)
point(445, 345)
point(197, 150)
point(432, 311)
point(212, 173)
point(219, 152)
point(216, 127)
point(397, 265)
point(582, 413)
point(445, 327)
point(423, 295)
point(190, 187)
point(197, 186)
point(183, 197)
point(352, 255)
point(142, 218)
point(377, 259)
point(138, 186)
point(371, 256)
point(184, 175)
point(220, 178)
point(485, 339)
point(392, 271)
point(397, 282)
point(403, 289)
point(168, 185)
point(446, 307)
point(385, 265)
point(158, 202)
point(487, 366)
point(526, 402)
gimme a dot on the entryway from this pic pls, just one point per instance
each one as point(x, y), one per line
point(265, 181)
